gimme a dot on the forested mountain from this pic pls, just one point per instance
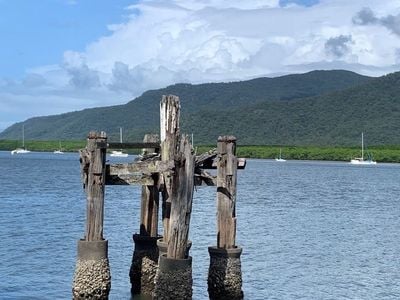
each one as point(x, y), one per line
point(316, 108)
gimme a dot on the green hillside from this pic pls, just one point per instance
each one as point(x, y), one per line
point(318, 108)
point(332, 119)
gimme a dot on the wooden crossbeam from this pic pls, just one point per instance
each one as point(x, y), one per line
point(211, 163)
point(138, 145)
point(130, 179)
point(143, 173)
point(140, 172)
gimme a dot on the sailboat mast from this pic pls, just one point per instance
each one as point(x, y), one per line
point(23, 136)
point(362, 145)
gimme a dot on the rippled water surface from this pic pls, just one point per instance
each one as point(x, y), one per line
point(309, 230)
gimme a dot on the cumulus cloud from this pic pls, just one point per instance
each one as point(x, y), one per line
point(81, 76)
point(392, 23)
point(367, 17)
point(338, 46)
point(166, 42)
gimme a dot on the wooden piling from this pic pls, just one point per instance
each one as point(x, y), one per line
point(96, 153)
point(169, 135)
point(174, 275)
point(225, 275)
point(145, 256)
point(226, 191)
point(150, 198)
point(181, 207)
point(92, 279)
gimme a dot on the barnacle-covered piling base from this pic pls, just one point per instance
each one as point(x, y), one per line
point(225, 275)
point(173, 279)
point(92, 278)
point(144, 264)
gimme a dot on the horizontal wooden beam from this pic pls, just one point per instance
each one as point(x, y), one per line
point(131, 179)
point(208, 181)
point(142, 179)
point(145, 167)
point(140, 172)
point(138, 145)
point(207, 165)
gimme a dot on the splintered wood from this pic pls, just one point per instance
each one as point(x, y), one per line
point(93, 159)
point(182, 195)
point(226, 192)
point(169, 135)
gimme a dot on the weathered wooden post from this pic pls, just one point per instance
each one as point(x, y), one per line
point(224, 275)
point(92, 279)
point(169, 135)
point(174, 275)
point(145, 256)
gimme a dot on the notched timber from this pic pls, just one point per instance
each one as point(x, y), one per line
point(141, 172)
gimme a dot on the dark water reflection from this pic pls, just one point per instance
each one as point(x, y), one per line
point(309, 230)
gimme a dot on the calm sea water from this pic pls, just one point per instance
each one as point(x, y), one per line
point(309, 230)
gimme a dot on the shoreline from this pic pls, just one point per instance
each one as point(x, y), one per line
point(389, 154)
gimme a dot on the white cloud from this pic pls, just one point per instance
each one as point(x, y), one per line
point(165, 42)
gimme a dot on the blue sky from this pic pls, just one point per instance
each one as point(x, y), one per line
point(38, 32)
point(65, 55)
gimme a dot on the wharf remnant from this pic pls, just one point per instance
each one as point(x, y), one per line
point(225, 275)
point(161, 265)
point(92, 272)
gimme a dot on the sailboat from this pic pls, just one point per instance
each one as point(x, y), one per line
point(119, 153)
point(59, 150)
point(280, 156)
point(360, 160)
point(21, 150)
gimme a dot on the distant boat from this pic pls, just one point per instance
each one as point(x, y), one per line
point(21, 150)
point(360, 160)
point(119, 153)
point(280, 156)
point(59, 150)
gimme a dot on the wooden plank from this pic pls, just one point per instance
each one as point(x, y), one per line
point(130, 179)
point(149, 211)
point(169, 135)
point(148, 180)
point(150, 194)
point(181, 206)
point(226, 192)
point(145, 167)
point(212, 164)
point(93, 159)
point(139, 145)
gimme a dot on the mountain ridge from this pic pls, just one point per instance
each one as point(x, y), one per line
point(302, 109)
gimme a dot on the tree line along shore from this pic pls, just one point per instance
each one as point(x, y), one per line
point(380, 153)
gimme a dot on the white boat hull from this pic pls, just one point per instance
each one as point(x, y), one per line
point(118, 154)
point(19, 151)
point(362, 162)
point(280, 159)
